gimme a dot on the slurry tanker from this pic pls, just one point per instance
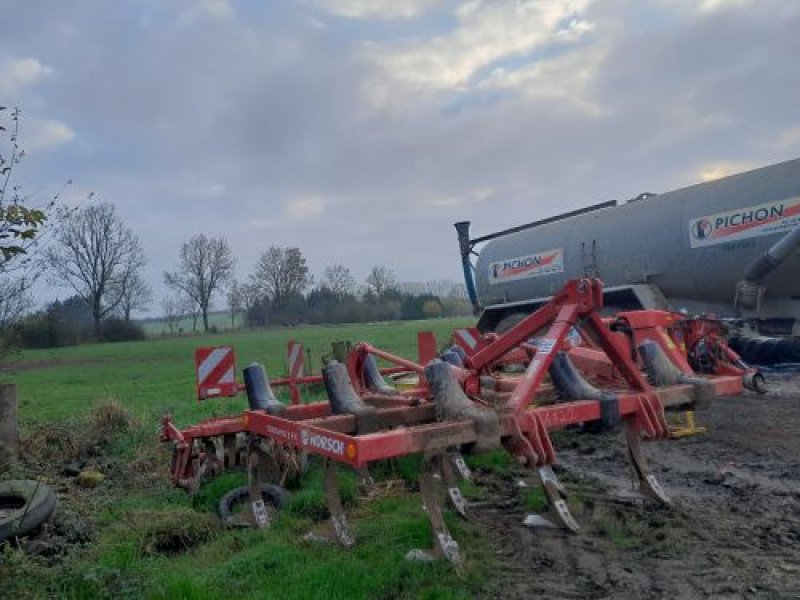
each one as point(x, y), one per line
point(727, 247)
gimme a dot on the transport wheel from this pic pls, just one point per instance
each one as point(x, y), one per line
point(234, 506)
point(24, 505)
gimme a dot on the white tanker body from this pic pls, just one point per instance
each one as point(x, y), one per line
point(727, 246)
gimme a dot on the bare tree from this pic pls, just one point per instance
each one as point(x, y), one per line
point(236, 301)
point(97, 256)
point(204, 266)
point(137, 296)
point(380, 280)
point(339, 280)
point(281, 273)
point(172, 312)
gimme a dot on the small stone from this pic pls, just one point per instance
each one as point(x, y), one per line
point(420, 555)
point(315, 538)
point(534, 520)
point(89, 478)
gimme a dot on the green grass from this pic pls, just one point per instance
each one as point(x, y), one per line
point(129, 557)
point(157, 375)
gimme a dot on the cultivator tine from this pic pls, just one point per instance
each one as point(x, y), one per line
point(457, 461)
point(646, 481)
point(450, 480)
point(255, 475)
point(556, 496)
point(444, 544)
point(365, 481)
point(214, 456)
point(231, 456)
point(341, 529)
point(199, 469)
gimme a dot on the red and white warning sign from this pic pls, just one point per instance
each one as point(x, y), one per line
point(216, 371)
point(469, 339)
point(296, 359)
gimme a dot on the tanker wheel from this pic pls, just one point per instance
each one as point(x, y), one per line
point(234, 506)
point(509, 321)
point(24, 505)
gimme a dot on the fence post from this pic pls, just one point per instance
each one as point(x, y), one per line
point(9, 437)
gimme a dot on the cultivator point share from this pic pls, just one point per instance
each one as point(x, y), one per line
point(564, 365)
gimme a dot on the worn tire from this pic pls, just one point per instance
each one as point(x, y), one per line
point(29, 505)
point(274, 495)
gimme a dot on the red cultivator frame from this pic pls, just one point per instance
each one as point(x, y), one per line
point(473, 402)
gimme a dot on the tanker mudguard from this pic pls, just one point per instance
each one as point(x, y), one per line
point(626, 297)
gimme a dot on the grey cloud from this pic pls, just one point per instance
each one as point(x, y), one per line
point(220, 123)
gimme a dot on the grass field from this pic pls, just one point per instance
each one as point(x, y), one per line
point(135, 506)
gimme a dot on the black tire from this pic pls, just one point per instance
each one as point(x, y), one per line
point(508, 322)
point(768, 352)
point(788, 351)
point(749, 350)
point(24, 505)
point(274, 496)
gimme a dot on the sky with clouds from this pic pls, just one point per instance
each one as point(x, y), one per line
point(360, 130)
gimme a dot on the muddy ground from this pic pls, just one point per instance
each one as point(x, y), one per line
point(734, 531)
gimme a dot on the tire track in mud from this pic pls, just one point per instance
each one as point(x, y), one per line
point(734, 531)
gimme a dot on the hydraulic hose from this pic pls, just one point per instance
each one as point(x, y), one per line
point(749, 288)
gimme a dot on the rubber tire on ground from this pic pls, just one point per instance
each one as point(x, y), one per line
point(39, 504)
point(274, 495)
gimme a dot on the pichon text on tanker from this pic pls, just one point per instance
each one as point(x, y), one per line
point(750, 222)
point(548, 262)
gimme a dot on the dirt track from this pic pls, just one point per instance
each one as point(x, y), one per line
point(734, 532)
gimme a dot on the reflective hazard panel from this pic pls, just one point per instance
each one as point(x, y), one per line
point(215, 369)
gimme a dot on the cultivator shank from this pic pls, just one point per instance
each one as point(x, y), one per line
point(579, 370)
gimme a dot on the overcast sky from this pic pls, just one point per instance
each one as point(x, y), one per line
point(360, 130)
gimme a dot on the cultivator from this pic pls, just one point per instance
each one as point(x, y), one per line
point(562, 366)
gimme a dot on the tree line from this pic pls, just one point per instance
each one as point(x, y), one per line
point(281, 290)
point(91, 252)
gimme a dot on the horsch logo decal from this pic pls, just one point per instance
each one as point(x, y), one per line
point(754, 221)
point(531, 265)
point(322, 442)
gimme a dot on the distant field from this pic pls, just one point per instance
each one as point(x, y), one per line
point(155, 375)
point(219, 319)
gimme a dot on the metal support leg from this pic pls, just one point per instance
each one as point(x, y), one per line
point(341, 529)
